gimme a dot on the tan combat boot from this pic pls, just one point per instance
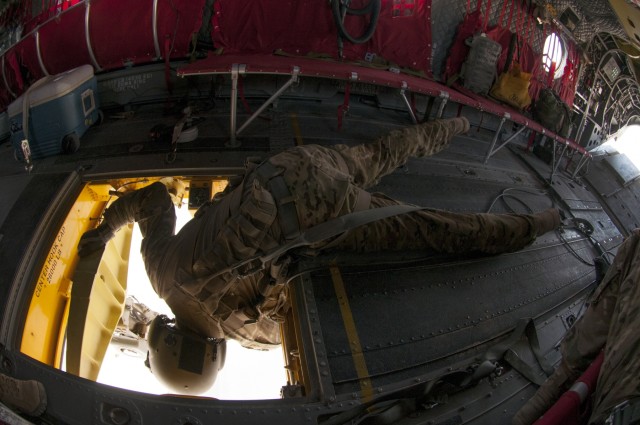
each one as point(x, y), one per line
point(29, 397)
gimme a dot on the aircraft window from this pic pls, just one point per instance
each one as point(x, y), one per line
point(625, 141)
point(554, 55)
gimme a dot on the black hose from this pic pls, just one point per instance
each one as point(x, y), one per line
point(339, 11)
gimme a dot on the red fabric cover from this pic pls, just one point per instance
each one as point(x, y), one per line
point(132, 40)
point(63, 44)
point(566, 411)
point(402, 36)
point(27, 58)
point(121, 32)
point(50, 9)
point(177, 21)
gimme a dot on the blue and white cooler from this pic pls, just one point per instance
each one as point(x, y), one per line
point(59, 110)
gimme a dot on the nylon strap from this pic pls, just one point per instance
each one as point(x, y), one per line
point(318, 233)
point(270, 176)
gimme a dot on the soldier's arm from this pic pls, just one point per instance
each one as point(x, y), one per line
point(150, 206)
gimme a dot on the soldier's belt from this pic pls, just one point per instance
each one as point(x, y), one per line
point(270, 177)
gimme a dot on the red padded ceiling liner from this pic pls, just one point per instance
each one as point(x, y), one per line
point(306, 27)
point(122, 31)
point(63, 44)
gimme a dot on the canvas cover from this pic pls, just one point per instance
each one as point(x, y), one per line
point(306, 27)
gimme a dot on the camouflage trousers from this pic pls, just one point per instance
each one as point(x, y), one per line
point(611, 321)
point(327, 182)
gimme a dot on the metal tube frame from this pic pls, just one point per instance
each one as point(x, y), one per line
point(491, 149)
point(4, 78)
point(87, 36)
point(39, 54)
point(236, 70)
point(583, 161)
point(554, 164)
point(294, 79)
point(445, 98)
point(154, 26)
point(407, 103)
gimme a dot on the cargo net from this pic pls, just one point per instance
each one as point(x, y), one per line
point(447, 14)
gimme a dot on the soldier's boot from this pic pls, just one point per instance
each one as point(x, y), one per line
point(547, 220)
point(29, 397)
point(544, 398)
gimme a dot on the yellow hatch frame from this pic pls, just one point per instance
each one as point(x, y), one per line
point(77, 303)
point(44, 330)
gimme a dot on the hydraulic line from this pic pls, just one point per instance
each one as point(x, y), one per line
point(340, 9)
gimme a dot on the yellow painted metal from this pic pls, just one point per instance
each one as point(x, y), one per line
point(98, 299)
point(43, 328)
point(350, 327)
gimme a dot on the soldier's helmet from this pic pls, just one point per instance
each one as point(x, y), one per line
point(184, 361)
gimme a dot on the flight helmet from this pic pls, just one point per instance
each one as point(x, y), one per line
point(184, 361)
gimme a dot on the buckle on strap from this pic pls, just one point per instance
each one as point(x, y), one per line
point(270, 176)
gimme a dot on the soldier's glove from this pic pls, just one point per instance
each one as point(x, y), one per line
point(94, 240)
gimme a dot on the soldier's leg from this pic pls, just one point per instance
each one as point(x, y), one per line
point(580, 346)
point(448, 232)
point(370, 161)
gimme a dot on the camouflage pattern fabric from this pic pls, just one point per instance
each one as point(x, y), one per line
point(611, 322)
point(325, 182)
point(328, 182)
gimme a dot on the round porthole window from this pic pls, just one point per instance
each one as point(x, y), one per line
point(554, 52)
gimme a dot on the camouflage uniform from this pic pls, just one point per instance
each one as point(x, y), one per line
point(611, 322)
point(323, 183)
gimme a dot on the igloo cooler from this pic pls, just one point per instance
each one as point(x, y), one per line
point(61, 109)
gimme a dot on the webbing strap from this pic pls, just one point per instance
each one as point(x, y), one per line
point(344, 108)
point(271, 176)
point(318, 233)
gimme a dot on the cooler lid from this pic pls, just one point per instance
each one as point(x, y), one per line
point(54, 87)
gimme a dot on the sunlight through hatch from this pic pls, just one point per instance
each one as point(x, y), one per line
point(627, 142)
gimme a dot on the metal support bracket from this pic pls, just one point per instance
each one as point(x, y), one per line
point(583, 161)
point(554, 164)
point(445, 98)
point(87, 36)
point(236, 70)
point(294, 79)
point(39, 54)
point(407, 103)
point(492, 149)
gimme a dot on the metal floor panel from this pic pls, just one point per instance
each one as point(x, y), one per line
point(411, 321)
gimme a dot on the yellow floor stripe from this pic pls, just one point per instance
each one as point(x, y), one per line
point(352, 334)
point(296, 129)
